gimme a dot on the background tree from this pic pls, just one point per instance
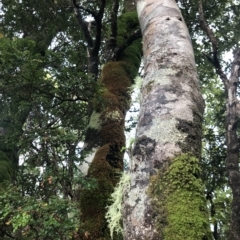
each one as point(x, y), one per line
point(218, 22)
point(105, 132)
point(231, 120)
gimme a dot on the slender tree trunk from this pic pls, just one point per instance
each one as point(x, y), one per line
point(231, 121)
point(232, 161)
point(165, 199)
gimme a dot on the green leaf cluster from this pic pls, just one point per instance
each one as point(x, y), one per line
point(30, 218)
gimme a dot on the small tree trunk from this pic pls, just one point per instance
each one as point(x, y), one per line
point(231, 121)
point(232, 162)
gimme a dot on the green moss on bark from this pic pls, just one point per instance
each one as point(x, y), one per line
point(93, 201)
point(117, 77)
point(178, 200)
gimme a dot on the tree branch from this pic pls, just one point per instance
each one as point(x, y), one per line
point(83, 25)
point(98, 20)
point(113, 34)
point(207, 29)
point(214, 58)
point(84, 9)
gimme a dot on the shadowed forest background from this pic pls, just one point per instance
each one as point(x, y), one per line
point(67, 73)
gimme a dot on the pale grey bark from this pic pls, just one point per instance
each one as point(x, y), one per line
point(171, 109)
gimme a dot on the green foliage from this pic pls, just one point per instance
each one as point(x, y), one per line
point(178, 186)
point(44, 95)
point(221, 207)
point(6, 171)
point(127, 23)
point(30, 218)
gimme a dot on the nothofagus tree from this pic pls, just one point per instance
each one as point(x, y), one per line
point(66, 71)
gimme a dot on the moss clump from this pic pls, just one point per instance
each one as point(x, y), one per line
point(93, 201)
point(178, 200)
point(131, 56)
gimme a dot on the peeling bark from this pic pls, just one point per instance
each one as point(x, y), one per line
point(170, 114)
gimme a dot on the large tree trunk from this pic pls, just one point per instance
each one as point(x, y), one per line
point(165, 198)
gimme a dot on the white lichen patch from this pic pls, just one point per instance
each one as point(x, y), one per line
point(84, 166)
point(114, 212)
point(114, 116)
point(181, 109)
point(140, 202)
point(140, 7)
point(161, 77)
point(137, 203)
point(170, 96)
point(186, 87)
point(95, 121)
point(165, 131)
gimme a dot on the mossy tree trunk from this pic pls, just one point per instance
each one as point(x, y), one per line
point(165, 199)
point(105, 137)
